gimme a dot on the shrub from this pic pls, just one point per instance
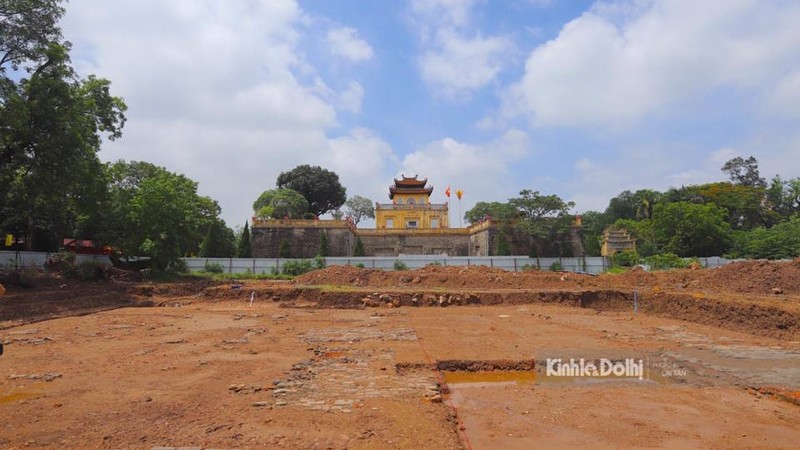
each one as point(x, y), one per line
point(283, 249)
point(628, 258)
point(63, 261)
point(434, 263)
point(400, 265)
point(556, 267)
point(214, 268)
point(297, 267)
point(360, 265)
point(359, 247)
point(323, 245)
point(178, 266)
point(529, 267)
point(90, 270)
point(666, 261)
point(319, 261)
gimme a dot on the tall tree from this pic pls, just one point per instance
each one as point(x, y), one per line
point(158, 214)
point(689, 229)
point(279, 204)
point(54, 124)
point(323, 245)
point(27, 29)
point(358, 208)
point(320, 187)
point(244, 249)
point(544, 218)
point(218, 242)
point(491, 210)
point(784, 197)
point(744, 171)
point(503, 248)
point(632, 205)
point(358, 250)
point(533, 206)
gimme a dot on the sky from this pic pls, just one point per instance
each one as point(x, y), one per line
point(582, 99)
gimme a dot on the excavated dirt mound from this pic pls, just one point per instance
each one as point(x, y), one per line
point(745, 277)
point(748, 277)
point(470, 277)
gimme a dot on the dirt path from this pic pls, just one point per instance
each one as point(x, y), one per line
point(225, 375)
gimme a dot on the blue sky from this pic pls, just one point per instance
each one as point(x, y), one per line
point(576, 98)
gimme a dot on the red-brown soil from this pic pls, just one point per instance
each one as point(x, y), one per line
point(352, 358)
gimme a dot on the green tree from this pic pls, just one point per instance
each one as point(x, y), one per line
point(784, 197)
point(593, 225)
point(744, 171)
point(283, 249)
point(533, 206)
point(323, 245)
point(779, 242)
point(244, 248)
point(689, 229)
point(491, 210)
point(53, 123)
point(359, 247)
point(358, 208)
point(503, 248)
point(156, 213)
point(27, 28)
point(543, 217)
point(744, 204)
point(218, 242)
point(280, 203)
point(643, 231)
point(320, 187)
point(632, 205)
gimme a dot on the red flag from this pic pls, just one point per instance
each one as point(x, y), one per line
point(447, 192)
point(459, 193)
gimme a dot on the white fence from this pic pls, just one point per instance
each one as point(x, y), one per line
point(511, 263)
point(589, 264)
point(36, 260)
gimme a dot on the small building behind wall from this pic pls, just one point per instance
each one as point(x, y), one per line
point(615, 241)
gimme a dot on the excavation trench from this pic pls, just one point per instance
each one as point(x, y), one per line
point(761, 319)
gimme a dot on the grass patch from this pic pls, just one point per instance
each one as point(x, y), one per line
point(243, 276)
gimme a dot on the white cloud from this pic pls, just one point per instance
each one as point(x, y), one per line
point(350, 100)
point(346, 43)
point(216, 90)
point(456, 60)
point(481, 170)
point(448, 12)
point(459, 64)
point(624, 60)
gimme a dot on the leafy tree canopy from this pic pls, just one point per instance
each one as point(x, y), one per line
point(779, 242)
point(493, 210)
point(320, 187)
point(744, 171)
point(534, 206)
point(358, 208)
point(54, 122)
point(158, 214)
point(27, 29)
point(633, 205)
point(280, 203)
point(689, 229)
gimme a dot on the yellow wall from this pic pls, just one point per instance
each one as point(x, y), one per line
point(398, 215)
